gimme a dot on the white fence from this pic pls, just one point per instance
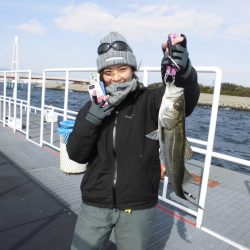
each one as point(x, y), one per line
point(13, 109)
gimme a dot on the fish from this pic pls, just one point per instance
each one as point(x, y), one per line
point(174, 147)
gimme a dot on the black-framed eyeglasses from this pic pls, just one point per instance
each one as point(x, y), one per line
point(116, 45)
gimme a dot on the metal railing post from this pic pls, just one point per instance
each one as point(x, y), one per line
point(210, 144)
point(4, 98)
point(15, 101)
point(28, 105)
point(66, 94)
point(52, 127)
point(42, 107)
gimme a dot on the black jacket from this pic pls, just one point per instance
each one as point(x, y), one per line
point(124, 173)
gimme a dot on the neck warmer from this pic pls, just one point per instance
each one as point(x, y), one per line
point(118, 91)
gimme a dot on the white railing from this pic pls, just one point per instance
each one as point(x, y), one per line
point(56, 113)
point(218, 76)
point(15, 117)
point(208, 152)
point(66, 114)
point(15, 101)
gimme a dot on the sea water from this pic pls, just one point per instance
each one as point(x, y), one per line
point(232, 135)
point(232, 130)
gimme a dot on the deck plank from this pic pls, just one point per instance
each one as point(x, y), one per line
point(36, 170)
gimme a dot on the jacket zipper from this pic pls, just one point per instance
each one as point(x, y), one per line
point(115, 162)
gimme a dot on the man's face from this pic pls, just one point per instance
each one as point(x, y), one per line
point(117, 74)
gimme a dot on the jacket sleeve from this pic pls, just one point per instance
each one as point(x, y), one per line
point(82, 141)
point(191, 89)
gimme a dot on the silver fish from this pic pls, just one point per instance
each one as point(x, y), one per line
point(174, 148)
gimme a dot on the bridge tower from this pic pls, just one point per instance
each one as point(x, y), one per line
point(15, 57)
point(15, 66)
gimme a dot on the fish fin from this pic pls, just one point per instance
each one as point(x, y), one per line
point(188, 151)
point(189, 195)
point(191, 199)
point(153, 135)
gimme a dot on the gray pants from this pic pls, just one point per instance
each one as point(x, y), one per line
point(94, 226)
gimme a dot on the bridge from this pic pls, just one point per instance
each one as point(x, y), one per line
point(38, 78)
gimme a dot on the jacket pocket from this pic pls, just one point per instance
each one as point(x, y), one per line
point(153, 173)
point(87, 174)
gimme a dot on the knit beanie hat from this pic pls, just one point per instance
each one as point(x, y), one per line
point(115, 57)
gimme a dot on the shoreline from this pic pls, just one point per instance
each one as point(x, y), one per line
point(226, 101)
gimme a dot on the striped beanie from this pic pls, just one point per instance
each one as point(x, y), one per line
point(114, 57)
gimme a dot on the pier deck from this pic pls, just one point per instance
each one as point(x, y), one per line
point(39, 204)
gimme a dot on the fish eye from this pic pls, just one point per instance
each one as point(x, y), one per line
point(176, 106)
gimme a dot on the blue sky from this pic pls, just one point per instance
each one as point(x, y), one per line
point(66, 33)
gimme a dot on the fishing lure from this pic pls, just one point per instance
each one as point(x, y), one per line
point(172, 67)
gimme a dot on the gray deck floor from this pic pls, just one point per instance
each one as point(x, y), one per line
point(39, 204)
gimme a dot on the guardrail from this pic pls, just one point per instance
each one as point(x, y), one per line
point(16, 75)
point(67, 114)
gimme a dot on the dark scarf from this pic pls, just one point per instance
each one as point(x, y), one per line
point(118, 91)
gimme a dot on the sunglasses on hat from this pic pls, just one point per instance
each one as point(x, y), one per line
point(117, 45)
